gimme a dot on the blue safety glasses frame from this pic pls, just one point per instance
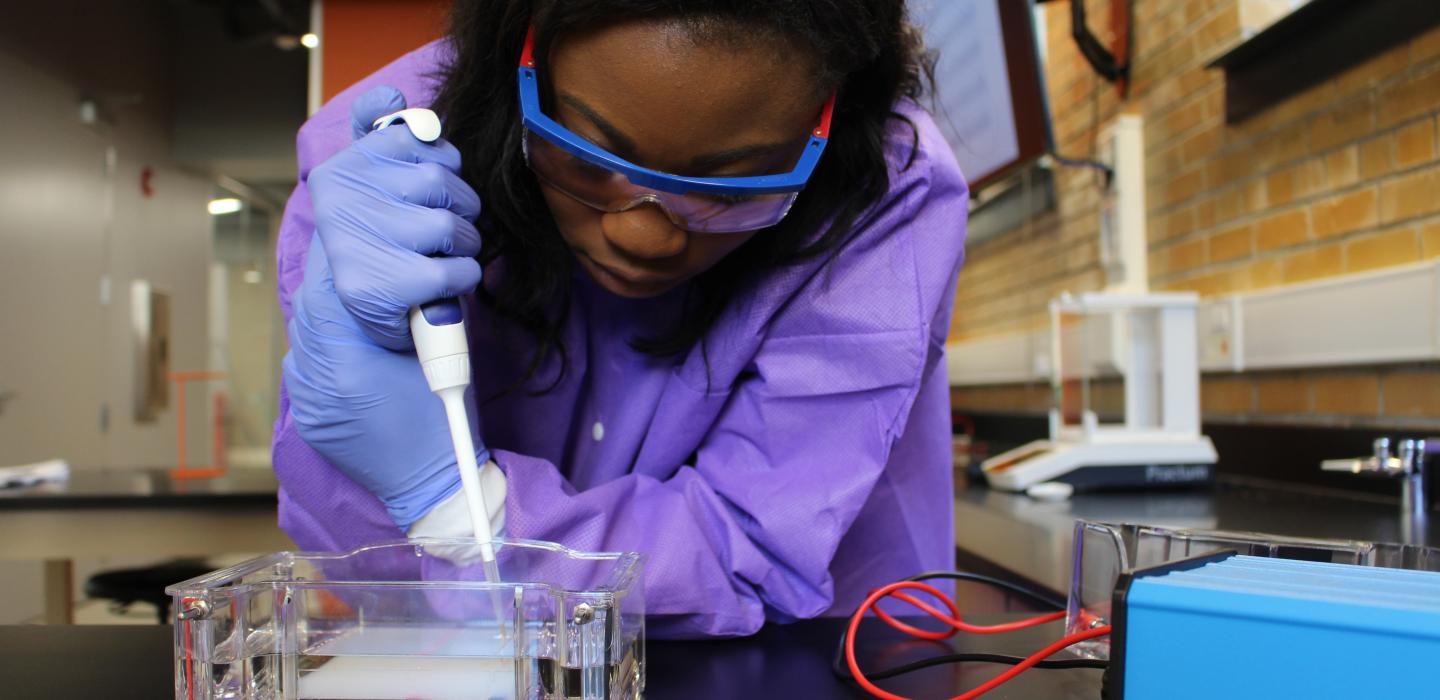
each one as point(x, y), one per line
point(719, 193)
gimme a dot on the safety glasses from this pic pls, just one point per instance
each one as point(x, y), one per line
point(598, 178)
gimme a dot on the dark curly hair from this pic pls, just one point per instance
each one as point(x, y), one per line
point(866, 48)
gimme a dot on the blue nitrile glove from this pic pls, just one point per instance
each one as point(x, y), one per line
point(396, 220)
point(383, 207)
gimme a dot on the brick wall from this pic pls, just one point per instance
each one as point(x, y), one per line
point(1341, 178)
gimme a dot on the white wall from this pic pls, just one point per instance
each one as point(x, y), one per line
point(66, 355)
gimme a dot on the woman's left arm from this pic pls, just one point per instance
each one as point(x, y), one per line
point(753, 523)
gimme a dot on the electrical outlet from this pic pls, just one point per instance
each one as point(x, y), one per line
point(1219, 326)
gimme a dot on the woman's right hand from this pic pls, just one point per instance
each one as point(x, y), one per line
point(396, 221)
point(393, 230)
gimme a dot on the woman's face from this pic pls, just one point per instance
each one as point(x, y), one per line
point(649, 93)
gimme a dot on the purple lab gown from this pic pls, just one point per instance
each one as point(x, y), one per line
point(801, 461)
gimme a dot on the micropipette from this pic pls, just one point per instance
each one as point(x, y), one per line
point(443, 348)
point(439, 332)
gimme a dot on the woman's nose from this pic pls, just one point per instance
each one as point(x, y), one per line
point(644, 232)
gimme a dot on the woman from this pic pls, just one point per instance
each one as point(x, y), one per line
point(748, 387)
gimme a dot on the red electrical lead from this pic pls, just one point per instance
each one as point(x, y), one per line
point(956, 624)
point(953, 619)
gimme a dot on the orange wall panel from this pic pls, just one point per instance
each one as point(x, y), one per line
point(361, 36)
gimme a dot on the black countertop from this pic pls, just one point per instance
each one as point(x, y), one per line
point(1034, 538)
point(795, 661)
point(789, 662)
point(144, 488)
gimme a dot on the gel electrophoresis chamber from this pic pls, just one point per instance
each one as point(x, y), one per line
point(414, 619)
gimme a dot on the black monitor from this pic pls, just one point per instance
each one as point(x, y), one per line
point(989, 83)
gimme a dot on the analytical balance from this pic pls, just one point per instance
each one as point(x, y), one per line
point(1109, 349)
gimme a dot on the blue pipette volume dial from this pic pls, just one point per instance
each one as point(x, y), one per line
point(438, 328)
point(443, 312)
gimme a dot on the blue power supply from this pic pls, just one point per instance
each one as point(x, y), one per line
point(1239, 627)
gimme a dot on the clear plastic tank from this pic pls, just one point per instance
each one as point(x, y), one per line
point(414, 619)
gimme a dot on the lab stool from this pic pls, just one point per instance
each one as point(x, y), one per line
point(124, 587)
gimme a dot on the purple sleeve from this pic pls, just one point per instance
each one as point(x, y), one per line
point(296, 228)
point(748, 530)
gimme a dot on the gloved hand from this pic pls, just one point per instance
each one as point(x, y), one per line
point(383, 207)
point(358, 396)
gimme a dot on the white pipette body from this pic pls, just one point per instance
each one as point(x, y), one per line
point(444, 353)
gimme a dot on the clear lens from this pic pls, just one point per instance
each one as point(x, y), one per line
point(596, 186)
point(611, 191)
point(703, 214)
